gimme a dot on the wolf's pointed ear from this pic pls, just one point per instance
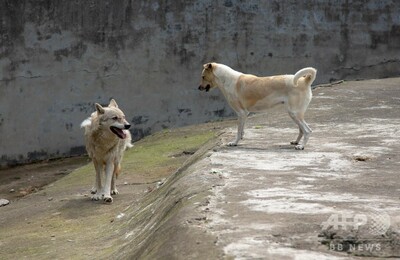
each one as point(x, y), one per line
point(208, 66)
point(99, 108)
point(113, 103)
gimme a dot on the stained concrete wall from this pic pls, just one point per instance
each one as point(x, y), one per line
point(57, 58)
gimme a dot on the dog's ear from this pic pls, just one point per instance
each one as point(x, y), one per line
point(208, 66)
point(99, 108)
point(113, 103)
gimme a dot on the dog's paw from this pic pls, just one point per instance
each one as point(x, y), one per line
point(299, 147)
point(114, 192)
point(232, 144)
point(107, 199)
point(294, 143)
point(93, 190)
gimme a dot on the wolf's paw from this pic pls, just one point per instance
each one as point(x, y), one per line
point(107, 199)
point(294, 143)
point(96, 197)
point(299, 147)
point(93, 190)
point(114, 192)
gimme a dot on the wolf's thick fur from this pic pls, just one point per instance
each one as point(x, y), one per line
point(247, 93)
point(106, 138)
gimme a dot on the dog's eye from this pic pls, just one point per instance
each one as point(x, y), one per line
point(203, 77)
point(115, 118)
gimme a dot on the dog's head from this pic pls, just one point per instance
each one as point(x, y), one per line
point(113, 119)
point(207, 77)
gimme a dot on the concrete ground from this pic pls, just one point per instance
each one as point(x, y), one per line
point(338, 198)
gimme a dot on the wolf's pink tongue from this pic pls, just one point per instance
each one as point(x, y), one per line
point(119, 132)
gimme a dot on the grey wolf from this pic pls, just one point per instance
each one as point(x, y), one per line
point(248, 93)
point(107, 137)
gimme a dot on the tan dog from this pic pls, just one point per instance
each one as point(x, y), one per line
point(107, 138)
point(248, 93)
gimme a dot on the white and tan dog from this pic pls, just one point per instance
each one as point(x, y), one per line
point(107, 138)
point(248, 93)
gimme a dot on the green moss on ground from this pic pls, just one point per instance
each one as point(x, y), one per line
point(61, 220)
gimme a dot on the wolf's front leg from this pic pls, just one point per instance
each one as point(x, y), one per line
point(114, 190)
point(97, 185)
point(117, 169)
point(106, 192)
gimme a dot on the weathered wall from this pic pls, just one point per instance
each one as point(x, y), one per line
point(57, 58)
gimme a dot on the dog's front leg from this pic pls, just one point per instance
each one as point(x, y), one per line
point(106, 192)
point(242, 117)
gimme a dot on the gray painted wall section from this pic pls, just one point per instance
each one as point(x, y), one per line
point(57, 58)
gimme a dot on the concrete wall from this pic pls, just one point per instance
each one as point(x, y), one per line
point(57, 58)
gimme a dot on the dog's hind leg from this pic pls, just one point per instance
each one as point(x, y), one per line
point(298, 138)
point(307, 132)
point(304, 129)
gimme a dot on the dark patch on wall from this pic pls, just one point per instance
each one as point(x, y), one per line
point(300, 44)
point(228, 3)
point(394, 36)
point(186, 111)
point(390, 38)
point(139, 133)
point(69, 126)
point(76, 51)
point(77, 150)
point(37, 156)
point(11, 25)
point(218, 113)
point(87, 108)
point(6, 161)
point(138, 120)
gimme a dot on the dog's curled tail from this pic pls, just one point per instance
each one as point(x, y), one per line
point(309, 72)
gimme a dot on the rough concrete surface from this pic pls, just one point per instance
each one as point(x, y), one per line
point(337, 199)
point(57, 58)
point(273, 200)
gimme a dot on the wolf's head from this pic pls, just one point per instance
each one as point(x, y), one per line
point(113, 119)
point(207, 77)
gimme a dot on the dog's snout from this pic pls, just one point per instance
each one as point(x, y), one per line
point(127, 126)
point(206, 88)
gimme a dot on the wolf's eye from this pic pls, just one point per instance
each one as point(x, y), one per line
point(115, 118)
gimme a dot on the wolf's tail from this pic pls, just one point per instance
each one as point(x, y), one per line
point(309, 72)
point(86, 122)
